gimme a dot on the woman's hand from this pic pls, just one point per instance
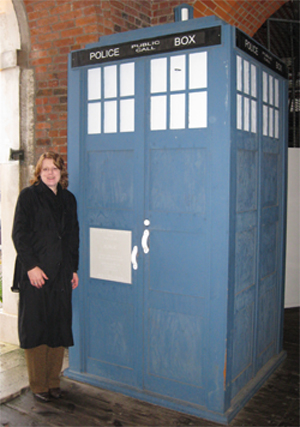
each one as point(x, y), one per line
point(37, 277)
point(75, 281)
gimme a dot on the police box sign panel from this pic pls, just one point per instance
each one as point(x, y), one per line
point(249, 46)
point(192, 39)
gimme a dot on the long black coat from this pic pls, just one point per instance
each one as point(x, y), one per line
point(45, 234)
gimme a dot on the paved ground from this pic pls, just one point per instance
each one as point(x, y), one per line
point(13, 372)
point(13, 375)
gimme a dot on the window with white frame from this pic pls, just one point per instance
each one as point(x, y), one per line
point(246, 101)
point(270, 105)
point(111, 102)
point(178, 87)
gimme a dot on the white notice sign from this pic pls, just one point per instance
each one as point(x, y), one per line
point(110, 255)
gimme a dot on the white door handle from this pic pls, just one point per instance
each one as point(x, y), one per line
point(145, 241)
point(133, 257)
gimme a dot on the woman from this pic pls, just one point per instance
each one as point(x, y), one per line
point(46, 238)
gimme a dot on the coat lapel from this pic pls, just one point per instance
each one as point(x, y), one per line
point(54, 204)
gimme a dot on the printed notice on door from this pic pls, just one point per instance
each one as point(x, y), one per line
point(110, 255)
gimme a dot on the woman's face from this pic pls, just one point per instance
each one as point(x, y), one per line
point(50, 174)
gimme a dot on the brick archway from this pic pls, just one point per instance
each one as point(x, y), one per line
point(247, 15)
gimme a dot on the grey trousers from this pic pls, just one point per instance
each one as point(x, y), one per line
point(44, 366)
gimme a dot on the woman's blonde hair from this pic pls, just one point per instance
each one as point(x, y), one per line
point(59, 163)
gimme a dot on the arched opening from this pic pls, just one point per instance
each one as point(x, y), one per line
point(16, 121)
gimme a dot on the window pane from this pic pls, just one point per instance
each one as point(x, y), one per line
point(246, 114)
point(276, 93)
point(198, 110)
point(158, 75)
point(253, 116)
point(158, 119)
point(276, 124)
point(110, 116)
point(198, 70)
point(239, 99)
point(94, 118)
point(177, 72)
point(265, 120)
point(239, 73)
point(271, 122)
point(246, 77)
point(94, 83)
point(253, 81)
point(265, 87)
point(127, 79)
point(271, 90)
point(177, 111)
point(127, 115)
point(110, 81)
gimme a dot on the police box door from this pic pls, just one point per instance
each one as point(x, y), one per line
point(145, 213)
point(113, 199)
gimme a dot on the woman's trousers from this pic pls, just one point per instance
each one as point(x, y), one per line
point(44, 366)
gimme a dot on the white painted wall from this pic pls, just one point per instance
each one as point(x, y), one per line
point(9, 179)
point(9, 170)
point(292, 278)
point(9, 80)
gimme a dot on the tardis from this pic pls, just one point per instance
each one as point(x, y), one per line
point(177, 150)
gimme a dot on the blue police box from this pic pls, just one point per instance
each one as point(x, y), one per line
point(177, 150)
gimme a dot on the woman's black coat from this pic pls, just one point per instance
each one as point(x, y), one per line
point(45, 234)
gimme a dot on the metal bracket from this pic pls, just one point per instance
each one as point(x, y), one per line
point(16, 155)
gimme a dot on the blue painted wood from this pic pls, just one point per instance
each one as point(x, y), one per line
point(77, 356)
point(200, 327)
point(258, 186)
point(113, 199)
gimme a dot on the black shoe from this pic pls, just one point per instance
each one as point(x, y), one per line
point(42, 397)
point(56, 393)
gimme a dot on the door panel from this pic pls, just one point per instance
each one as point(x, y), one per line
point(112, 160)
point(171, 354)
point(177, 205)
point(149, 332)
point(177, 276)
point(177, 179)
point(257, 241)
point(269, 250)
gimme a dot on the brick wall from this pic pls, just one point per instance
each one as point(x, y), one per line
point(129, 15)
point(56, 27)
point(60, 26)
point(247, 15)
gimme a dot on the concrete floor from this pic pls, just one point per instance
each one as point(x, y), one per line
point(13, 372)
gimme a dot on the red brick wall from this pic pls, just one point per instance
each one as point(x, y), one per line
point(129, 15)
point(247, 15)
point(60, 26)
point(163, 11)
point(56, 28)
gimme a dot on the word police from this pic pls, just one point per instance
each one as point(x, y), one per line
point(103, 54)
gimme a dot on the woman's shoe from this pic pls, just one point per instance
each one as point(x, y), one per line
point(42, 397)
point(56, 393)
